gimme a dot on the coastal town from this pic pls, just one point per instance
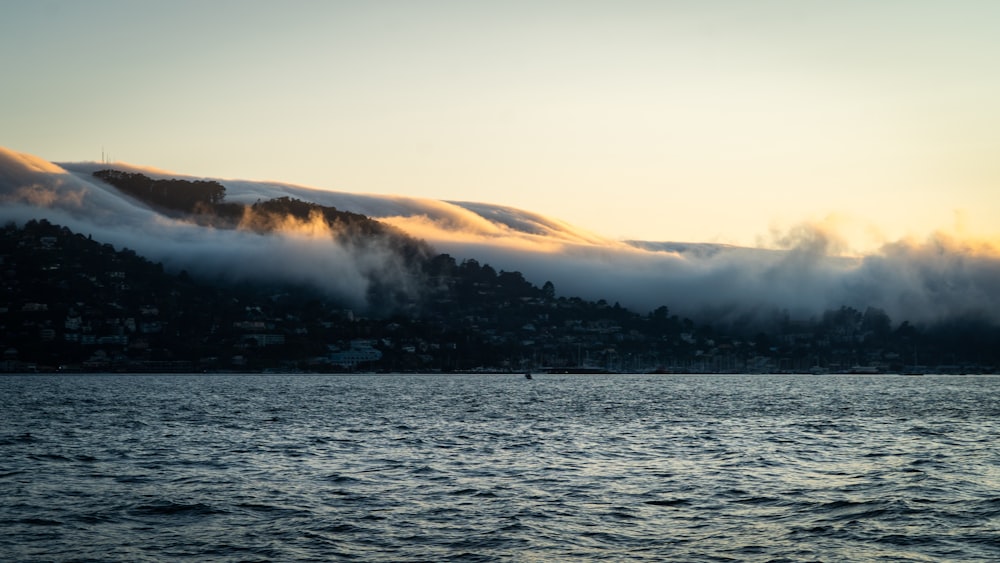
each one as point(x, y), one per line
point(74, 304)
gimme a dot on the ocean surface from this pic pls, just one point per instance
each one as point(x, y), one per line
point(499, 468)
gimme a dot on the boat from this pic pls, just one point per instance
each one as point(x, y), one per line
point(527, 375)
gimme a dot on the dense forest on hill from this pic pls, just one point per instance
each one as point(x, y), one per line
point(204, 202)
point(188, 196)
point(73, 303)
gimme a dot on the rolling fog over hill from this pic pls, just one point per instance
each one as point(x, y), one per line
point(921, 281)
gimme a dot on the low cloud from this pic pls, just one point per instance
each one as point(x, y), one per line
point(805, 270)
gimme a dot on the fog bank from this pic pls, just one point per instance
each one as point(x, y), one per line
point(918, 280)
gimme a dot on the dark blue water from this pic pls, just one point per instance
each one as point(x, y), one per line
point(498, 468)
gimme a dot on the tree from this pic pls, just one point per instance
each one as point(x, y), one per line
point(549, 291)
point(877, 321)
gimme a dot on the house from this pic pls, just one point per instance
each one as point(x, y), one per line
point(360, 351)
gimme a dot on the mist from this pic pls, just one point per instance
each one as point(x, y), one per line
point(803, 273)
point(928, 281)
point(298, 254)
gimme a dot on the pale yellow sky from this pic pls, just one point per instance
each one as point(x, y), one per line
point(695, 121)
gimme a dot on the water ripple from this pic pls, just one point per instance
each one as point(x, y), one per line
point(490, 468)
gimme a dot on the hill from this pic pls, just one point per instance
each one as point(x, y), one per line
point(73, 303)
point(275, 233)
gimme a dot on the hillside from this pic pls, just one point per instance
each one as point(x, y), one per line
point(205, 202)
point(73, 303)
point(368, 251)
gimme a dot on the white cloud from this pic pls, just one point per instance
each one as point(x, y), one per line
point(914, 280)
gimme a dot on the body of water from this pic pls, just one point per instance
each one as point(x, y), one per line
point(499, 468)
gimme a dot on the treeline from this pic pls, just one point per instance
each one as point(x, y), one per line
point(204, 201)
point(187, 196)
point(346, 227)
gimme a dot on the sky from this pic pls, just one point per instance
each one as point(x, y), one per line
point(709, 121)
